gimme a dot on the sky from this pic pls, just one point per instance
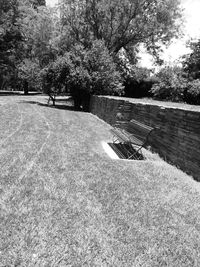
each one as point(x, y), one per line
point(51, 2)
point(178, 47)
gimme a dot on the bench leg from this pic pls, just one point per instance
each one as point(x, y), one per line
point(130, 152)
point(134, 155)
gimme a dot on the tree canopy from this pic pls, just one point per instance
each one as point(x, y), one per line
point(83, 72)
point(21, 35)
point(121, 24)
point(10, 39)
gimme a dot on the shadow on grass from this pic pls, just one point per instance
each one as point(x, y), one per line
point(58, 106)
point(69, 99)
point(18, 93)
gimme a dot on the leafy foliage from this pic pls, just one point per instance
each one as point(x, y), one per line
point(37, 3)
point(55, 76)
point(121, 24)
point(37, 27)
point(83, 72)
point(137, 80)
point(192, 61)
point(28, 71)
point(104, 77)
point(33, 3)
point(78, 50)
point(25, 33)
point(10, 39)
point(170, 84)
point(192, 94)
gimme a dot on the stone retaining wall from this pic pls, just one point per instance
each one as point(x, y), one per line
point(178, 138)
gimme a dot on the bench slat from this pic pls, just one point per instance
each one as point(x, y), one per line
point(126, 137)
point(132, 132)
point(135, 125)
point(120, 133)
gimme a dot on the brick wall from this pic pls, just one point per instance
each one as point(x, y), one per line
point(178, 138)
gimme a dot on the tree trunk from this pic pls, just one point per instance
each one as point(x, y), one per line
point(25, 88)
point(53, 99)
point(86, 101)
point(77, 102)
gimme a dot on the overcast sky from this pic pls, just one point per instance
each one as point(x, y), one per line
point(192, 29)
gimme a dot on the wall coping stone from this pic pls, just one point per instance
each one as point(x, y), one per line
point(162, 104)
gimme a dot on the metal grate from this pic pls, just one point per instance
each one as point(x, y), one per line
point(124, 151)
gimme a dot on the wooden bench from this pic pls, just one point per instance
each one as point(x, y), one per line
point(133, 137)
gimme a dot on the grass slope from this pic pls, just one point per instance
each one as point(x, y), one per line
point(63, 202)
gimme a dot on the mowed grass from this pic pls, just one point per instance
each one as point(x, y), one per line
point(64, 202)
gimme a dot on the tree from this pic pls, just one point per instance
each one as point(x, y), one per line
point(55, 77)
point(33, 3)
point(10, 40)
point(24, 34)
point(192, 61)
point(83, 72)
point(192, 94)
point(121, 24)
point(37, 3)
point(28, 73)
point(94, 72)
point(105, 78)
point(191, 66)
point(36, 27)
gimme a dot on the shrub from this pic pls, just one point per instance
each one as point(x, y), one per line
point(137, 80)
point(192, 94)
point(170, 84)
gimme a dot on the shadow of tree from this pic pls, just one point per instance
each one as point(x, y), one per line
point(17, 93)
point(57, 106)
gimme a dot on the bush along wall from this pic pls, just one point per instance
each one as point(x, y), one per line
point(138, 89)
point(178, 138)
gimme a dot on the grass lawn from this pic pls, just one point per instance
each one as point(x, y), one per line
point(64, 202)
